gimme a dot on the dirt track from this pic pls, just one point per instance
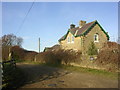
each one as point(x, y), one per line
point(39, 76)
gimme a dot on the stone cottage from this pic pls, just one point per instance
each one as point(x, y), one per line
point(79, 38)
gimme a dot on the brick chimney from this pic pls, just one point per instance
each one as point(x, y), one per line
point(72, 26)
point(82, 23)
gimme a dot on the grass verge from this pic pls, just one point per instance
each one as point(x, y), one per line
point(29, 62)
point(113, 75)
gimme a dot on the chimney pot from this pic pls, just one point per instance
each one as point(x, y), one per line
point(72, 26)
point(82, 23)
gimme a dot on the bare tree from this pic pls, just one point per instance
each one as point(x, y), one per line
point(11, 40)
point(19, 41)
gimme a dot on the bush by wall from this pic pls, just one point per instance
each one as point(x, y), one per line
point(5, 52)
point(109, 56)
point(18, 53)
point(92, 50)
point(30, 55)
point(58, 57)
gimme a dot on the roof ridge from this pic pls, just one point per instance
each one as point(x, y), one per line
point(91, 22)
point(86, 23)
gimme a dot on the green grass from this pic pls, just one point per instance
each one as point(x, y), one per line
point(30, 62)
point(91, 71)
point(113, 75)
point(79, 69)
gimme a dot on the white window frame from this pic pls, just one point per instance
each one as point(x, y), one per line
point(68, 39)
point(97, 37)
point(72, 39)
point(98, 50)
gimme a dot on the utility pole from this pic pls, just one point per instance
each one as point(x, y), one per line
point(39, 45)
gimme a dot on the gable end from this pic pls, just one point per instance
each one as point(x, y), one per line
point(87, 31)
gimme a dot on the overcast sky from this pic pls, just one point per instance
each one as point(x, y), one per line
point(50, 20)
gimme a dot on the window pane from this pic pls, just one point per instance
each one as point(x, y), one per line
point(72, 38)
point(96, 37)
point(68, 39)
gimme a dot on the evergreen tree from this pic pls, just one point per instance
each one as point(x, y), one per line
point(92, 50)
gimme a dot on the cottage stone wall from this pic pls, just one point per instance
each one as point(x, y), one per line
point(82, 43)
point(90, 37)
point(76, 45)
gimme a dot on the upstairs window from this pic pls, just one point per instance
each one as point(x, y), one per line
point(96, 38)
point(68, 39)
point(72, 39)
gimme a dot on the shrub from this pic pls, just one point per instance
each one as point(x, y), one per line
point(68, 56)
point(110, 45)
point(58, 57)
point(30, 55)
point(108, 56)
point(48, 57)
point(21, 54)
point(109, 53)
point(92, 50)
point(12, 77)
point(18, 53)
point(5, 52)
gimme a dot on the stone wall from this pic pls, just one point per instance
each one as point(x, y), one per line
point(82, 43)
point(90, 37)
point(76, 45)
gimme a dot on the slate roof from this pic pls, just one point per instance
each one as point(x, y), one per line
point(82, 30)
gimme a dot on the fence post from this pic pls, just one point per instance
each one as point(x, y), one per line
point(14, 63)
point(2, 66)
